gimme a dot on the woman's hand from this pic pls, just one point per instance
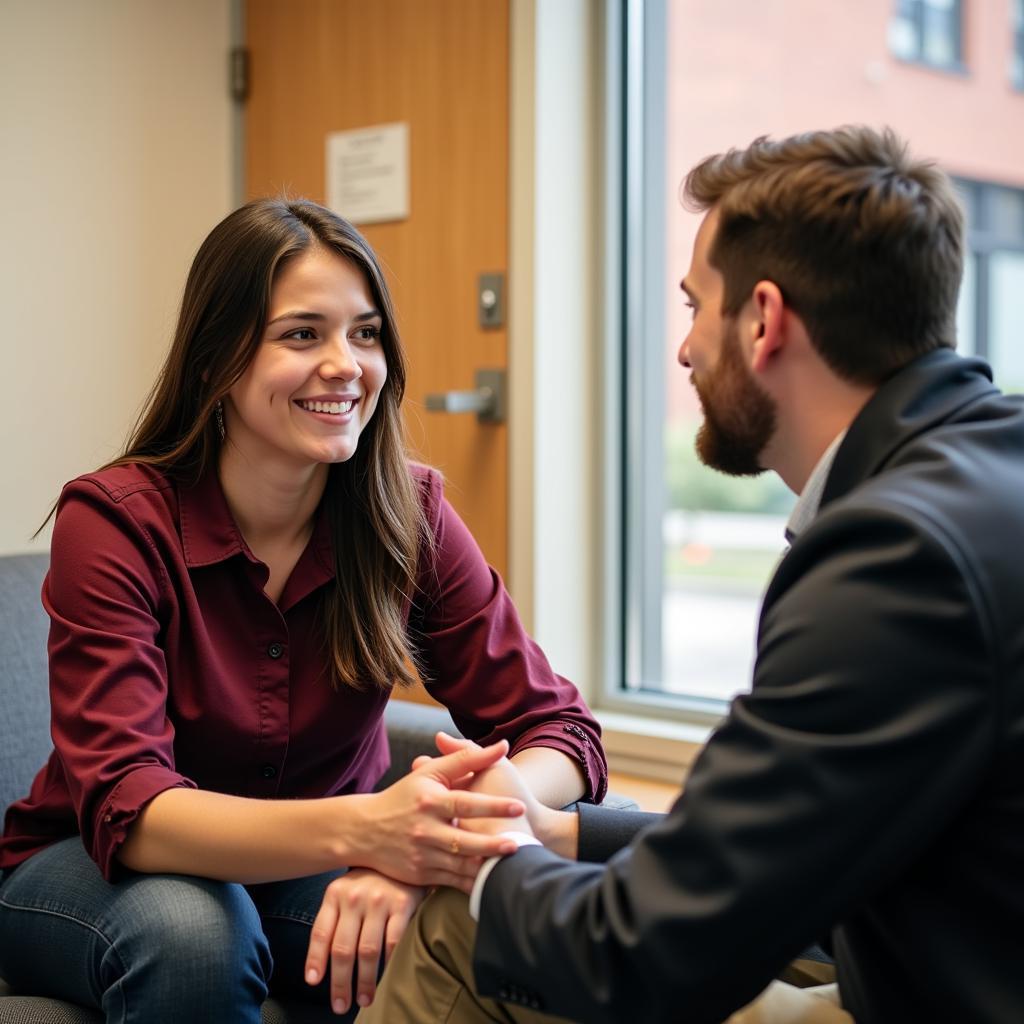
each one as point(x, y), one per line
point(557, 830)
point(363, 914)
point(412, 832)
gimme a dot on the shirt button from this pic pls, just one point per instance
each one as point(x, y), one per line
point(269, 771)
point(275, 650)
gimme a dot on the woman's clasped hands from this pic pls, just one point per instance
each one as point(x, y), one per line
point(407, 838)
point(411, 830)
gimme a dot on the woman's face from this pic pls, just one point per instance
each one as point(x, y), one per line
point(314, 382)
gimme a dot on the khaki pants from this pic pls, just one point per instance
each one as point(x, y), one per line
point(429, 980)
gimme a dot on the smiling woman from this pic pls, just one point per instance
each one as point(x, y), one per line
point(313, 384)
point(232, 602)
point(303, 402)
point(266, 261)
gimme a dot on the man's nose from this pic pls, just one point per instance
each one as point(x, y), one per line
point(684, 353)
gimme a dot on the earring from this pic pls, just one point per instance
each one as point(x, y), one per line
point(218, 416)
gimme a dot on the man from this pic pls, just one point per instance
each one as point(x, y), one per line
point(871, 784)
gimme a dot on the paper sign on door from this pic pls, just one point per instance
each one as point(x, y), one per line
point(368, 173)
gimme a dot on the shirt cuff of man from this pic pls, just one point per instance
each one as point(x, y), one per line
point(520, 839)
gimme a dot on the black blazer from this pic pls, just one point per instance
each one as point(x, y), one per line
point(871, 783)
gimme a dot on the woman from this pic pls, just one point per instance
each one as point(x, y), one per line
point(231, 602)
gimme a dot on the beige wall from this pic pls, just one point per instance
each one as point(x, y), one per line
point(115, 160)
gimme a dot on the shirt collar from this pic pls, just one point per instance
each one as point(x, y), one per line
point(209, 534)
point(316, 564)
point(806, 507)
point(208, 530)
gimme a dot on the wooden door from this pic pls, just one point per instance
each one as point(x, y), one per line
point(319, 66)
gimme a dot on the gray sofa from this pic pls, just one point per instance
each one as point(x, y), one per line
point(25, 745)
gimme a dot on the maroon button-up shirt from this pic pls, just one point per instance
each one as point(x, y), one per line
point(170, 666)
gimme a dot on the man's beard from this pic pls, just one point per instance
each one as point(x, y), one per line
point(739, 417)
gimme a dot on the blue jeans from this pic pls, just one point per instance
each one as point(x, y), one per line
point(155, 949)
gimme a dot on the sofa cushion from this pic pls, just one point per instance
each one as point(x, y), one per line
point(24, 684)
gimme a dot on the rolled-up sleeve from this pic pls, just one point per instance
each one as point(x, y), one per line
point(481, 663)
point(108, 679)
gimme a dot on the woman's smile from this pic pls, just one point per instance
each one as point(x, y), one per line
point(329, 409)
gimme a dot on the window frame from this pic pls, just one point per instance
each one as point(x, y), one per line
point(634, 396)
point(632, 577)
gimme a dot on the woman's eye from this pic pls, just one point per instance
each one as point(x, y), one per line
point(302, 334)
point(368, 333)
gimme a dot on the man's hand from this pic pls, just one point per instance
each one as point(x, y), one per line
point(363, 915)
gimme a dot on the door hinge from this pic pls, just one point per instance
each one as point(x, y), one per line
point(238, 73)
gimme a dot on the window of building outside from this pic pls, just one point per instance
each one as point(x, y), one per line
point(928, 31)
point(1017, 53)
point(698, 547)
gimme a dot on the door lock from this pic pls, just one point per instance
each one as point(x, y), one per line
point(490, 300)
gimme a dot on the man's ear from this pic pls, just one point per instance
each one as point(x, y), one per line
point(766, 311)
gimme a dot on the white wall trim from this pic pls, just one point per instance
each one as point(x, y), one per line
point(553, 348)
point(522, 93)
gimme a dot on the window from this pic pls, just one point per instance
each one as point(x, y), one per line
point(698, 548)
point(1017, 57)
point(989, 324)
point(928, 32)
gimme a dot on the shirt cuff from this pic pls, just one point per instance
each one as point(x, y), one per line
point(521, 839)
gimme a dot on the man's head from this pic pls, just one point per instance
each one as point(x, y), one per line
point(864, 243)
point(739, 417)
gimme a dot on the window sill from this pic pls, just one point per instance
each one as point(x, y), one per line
point(651, 748)
point(957, 68)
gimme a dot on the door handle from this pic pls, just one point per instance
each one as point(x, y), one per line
point(488, 399)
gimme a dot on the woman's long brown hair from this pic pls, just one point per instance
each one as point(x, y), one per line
point(376, 520)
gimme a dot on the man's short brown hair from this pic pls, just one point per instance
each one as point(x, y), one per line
point(865, 243)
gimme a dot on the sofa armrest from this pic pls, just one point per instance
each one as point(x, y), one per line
point(411, 729)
